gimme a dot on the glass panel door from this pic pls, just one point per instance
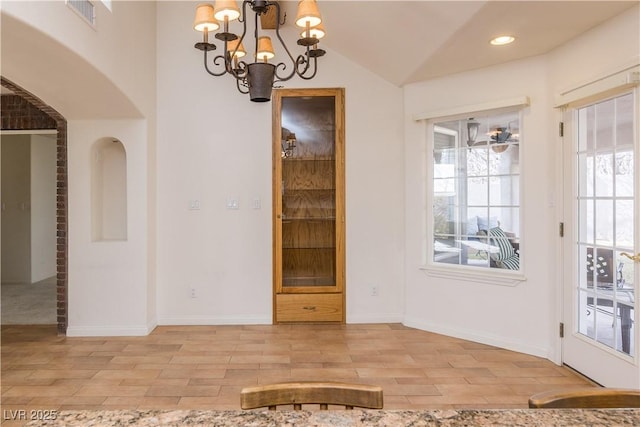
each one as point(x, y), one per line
point(606, 222)
point(602, 283)
point(308, 191)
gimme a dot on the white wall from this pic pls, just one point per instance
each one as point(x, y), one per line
point(103, 81)
point(104, 71)
point(213, 143)
point(108, 292)
point(522, 317)
point(515, 317)
point(603, 50)
point(43, 207)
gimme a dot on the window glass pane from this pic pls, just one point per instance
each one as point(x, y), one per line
point(624, 120)
point(586, 321)
point(604, 174)
point(478, 161)
point(604, 222)
point(586, 268)
point(586, 137)
point(507, 218)
point(624, 223)
point(586, 220)
point(504, 190)
point(585, 175)
point(605, 113)
point(444, 215)
point(624, 173)
point(476, 191)
point(503, 158)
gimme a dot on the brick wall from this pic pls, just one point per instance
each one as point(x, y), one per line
point(20, 114)
point(23, 111)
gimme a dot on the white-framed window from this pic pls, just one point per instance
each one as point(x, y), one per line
point(475, 192)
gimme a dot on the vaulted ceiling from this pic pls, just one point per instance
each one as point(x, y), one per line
point(411, 41)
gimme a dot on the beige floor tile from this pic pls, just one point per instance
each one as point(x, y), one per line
point(458, 372)
point(182, 391)
point(391, 372)
point(113, 390)
point(193, 373)
point(198, 367)
point(62, 373)
point(126, 374)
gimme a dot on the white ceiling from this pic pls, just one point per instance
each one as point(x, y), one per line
point(411, 41)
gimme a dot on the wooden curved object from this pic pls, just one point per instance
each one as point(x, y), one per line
point(311, 392)
point(587, 398)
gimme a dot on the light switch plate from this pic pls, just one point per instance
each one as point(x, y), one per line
point(233, 203)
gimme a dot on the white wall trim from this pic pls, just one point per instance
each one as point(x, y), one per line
point(477, 336)
point(151, 325)
point(518, 101)
point(501, 278)
point(375, 318)
point(212, 320)
point(109, 331)
point(29, 132)
point(628, 76)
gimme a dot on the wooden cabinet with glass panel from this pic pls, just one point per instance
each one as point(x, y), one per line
point(308, 203)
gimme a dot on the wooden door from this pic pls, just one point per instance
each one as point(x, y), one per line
point(308, 203)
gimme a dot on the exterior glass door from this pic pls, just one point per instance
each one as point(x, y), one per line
point(602, 285)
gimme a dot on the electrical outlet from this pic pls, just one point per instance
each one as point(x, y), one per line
point(374, 291)
point(193, 292)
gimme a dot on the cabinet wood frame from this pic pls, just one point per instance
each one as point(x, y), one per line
point(339, 217)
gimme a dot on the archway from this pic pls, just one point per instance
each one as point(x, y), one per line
point(21, 110)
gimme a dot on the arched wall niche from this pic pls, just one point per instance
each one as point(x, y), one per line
point(108, 190)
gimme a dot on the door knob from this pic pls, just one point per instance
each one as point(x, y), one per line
point(635, 258)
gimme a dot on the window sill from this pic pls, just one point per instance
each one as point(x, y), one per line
point(475, 274)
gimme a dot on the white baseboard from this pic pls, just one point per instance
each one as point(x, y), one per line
point(477, 336)
point(376, 318)
point(209, 320)
point(109, 331)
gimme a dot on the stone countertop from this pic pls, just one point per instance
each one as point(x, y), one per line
point(359, 418)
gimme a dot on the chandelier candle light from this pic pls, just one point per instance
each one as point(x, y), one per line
point(258, 78)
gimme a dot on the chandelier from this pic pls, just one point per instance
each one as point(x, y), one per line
point(257, 78)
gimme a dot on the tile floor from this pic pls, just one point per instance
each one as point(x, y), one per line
point(29, 303)
point(198, 367)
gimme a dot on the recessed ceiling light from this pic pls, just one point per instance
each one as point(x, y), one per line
point(502, 40)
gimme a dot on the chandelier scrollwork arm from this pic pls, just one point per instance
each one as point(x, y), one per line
point(307, 62)
point(216, 62)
